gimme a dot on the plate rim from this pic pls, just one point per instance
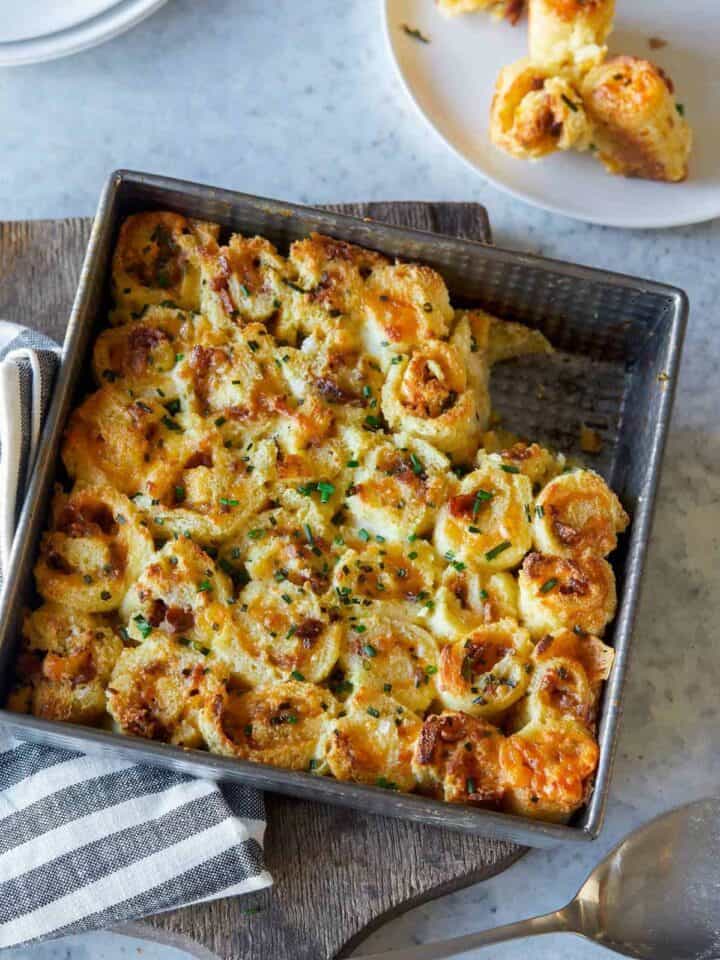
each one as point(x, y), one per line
point(629, 223)
point(117, 19)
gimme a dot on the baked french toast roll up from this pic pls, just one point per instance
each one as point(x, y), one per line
point(158, 689)
point(394, 656)
point(437, 394)
point(568, 669)
point(373, 741)
point(276, 633)
point(558, 593)
point(546, 769)
point(535, 112)
point(97, 545)
point(388, 579)
point(486, 523)
point(172, 592)
point(404, 305)
point(486, 672)
point(467, 599)
point(65, 663)
point(638, 126)
point(569, 33)
point(282, 724)
point(397, 488)
point(577, 513)
point(457, 758)
point(157, 260)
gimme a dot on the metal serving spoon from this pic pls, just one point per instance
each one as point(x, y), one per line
point(655, 896)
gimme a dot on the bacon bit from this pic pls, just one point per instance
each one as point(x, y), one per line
point(590, 440)
point(77, 667)
point(56, 561)
point(544, 644)
point(575, 586)
point(180, 619)
point(141, 341)
point(203, 359)
point(334, 393)
point(565, 533)
point(87, 520)
point(538, 83)
point(656, 43)
point(514, 10)
point(309, 630)
point(462, 505)
point(201, 458)
point(157, 613)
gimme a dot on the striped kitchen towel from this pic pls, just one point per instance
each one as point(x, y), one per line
point(87, 842)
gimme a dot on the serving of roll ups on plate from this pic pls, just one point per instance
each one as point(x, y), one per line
point(548, 97)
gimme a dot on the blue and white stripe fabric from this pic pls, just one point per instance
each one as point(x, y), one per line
point(87, 842)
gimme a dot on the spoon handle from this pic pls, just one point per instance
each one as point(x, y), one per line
point(557, 922)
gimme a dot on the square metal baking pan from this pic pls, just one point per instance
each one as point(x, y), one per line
point(618, 342)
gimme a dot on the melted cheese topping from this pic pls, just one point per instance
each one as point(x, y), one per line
point(290, 537)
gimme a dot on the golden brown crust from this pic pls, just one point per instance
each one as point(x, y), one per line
point(557, 593)
point(637, 127)
point(535, 112)
point(546, 768)
point(457, 757)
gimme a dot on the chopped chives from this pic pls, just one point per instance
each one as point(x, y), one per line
point(496, 551)
point(548, 585)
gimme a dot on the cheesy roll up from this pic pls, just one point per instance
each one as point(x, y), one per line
point(638, 127)
point(457, 758)
point(534, 113)
point(569, 32)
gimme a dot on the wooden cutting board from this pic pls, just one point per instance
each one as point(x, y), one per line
point(338, 873)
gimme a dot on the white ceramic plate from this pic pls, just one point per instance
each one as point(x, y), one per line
point(36, 30)
point(451, 80)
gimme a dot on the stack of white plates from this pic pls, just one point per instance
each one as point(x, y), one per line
point(34, 30)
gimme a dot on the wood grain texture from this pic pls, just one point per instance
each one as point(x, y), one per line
point(338, 873)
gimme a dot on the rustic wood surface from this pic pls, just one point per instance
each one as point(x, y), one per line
point(338, 874)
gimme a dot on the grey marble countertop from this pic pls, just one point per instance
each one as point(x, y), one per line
point(299, 101)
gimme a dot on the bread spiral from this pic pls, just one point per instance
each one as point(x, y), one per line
point(372, 741)
point(405, 305)
point(429, 395)
point(157, 260)
point(172, 592)
point(467, 599)
point(546, 768)
point(485, 524)
point(394, 656)
point(457, 757)
point(398, 488)
point(387, 579)
point(284, 724)
point(558, 593)
point(569, 33)
point(158, 689)
point(488, 671)
point(65, 662)
point(535, 112)
point(94, 551)
point(638, 128)
point(269, 637)
point(577, 513)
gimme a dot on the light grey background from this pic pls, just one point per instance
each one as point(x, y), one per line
point(300, 101)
